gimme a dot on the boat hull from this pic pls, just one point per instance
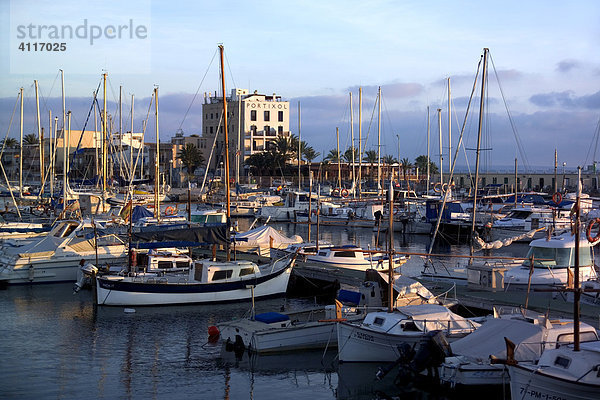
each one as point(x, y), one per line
point(526, 383)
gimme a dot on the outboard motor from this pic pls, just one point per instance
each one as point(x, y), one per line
point(85, 275)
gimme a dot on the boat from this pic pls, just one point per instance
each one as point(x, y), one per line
point(525, 218)
point(56, 257)
point(377, 338)
point(472, 362)
point(553, 258)
point(205, 281)
point(316, 328)
point(295, 201)
point(354, 257)
point(261, 239)
point(561, 373)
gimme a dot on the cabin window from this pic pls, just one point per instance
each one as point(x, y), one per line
point(165, 264)
point(583, 337)
point(246, 271)
point(198, 272)
point(322, 253)
point(252, 115)
point(378, 321)
point(182, 264)
point(222, 274)
point(68, 230)
point(350, 254)
point(562, 362)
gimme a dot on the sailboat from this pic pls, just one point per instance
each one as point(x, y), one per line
point(567, 372)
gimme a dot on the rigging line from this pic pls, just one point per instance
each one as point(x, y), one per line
point(197, 90)
point(453, 164)
point(229, 68)
point(594, 145)
point(51, 89)
point(510, 118)
point(9, 125)
point(84, 126)
point(369, 127)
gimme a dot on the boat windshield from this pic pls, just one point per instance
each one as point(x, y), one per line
point(544, 257)
point(519, 214)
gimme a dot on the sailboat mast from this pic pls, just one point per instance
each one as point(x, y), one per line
point(337, 135)
point(238, 153)
point(576, 288)
point(39, 129)
point(21, 147)
point(359, 142)
point(104, 144)
point(121, 131)
point(449, 128)
point(50, 150)
point(379, 141)
point(299, 150)
point(131, 169)
point(53, 155)
point(352, 148)
point(226, 139)
point(428, 159)
point(439, 110)
point(481, 110)
point(157, 160)
point(66, 136)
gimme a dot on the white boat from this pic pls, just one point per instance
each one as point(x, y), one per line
point(317, 328)
point(56, 257)
point(205, 281)
point(560, 373)
point(376, 339)
point(261, 239)
point(523, 219)
point(354, 257)
point(471, 362)
point(553, 260)
point(294, 202)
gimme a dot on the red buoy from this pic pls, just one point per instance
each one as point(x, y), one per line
point(213, 333)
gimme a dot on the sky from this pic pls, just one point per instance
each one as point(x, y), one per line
point(543, 86)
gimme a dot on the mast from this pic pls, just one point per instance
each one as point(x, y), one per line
point(299, 150)
point(449, 127)
point(53, 160)
point(576, 288)
point(428, 162)
point(481, 110)
point(516, 182)
point(64, 108)
point(131, 169)
point(337, 134)
point(121, 131)
point(555, 167)
point(352, 147)
point(50, 150)
point(156, 161)
point(21, 147)
point(39, 129)
point(97, 164)
point(359, 142)
point(379, 186)
point(104, 144)
point(439, 110)
point(391, 247)
point(226, 145)
point(238, 154)
point(66, 136)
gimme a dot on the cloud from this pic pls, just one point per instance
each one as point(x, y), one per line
point(566, 99)
point(565, 66)
point(391, 90)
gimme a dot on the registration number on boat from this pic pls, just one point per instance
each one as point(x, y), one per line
point(538, 395)
point(364, 336)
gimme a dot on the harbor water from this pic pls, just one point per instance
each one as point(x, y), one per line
point(57, 344)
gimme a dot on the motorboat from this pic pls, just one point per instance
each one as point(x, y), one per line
point(472, 362)
point(560, 373)
point(553, 258)
point(525, 218)
point(295, 201)
point(56, 257)
point(205, 281)
point(354, 257)
point(378, 337)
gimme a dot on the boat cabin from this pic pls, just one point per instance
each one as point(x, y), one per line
point(207, 271)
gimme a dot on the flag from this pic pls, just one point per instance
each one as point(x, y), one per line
point(125, 213)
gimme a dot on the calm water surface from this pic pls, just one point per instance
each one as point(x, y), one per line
point(56, 344)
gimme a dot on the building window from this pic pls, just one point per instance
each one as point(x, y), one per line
point(252, 115)
point(505, 180)
point(267, 115)
point(211, 115)
point(495, 180)
point(211, 130)
point(253, 129)
point(267, 129)
point(280, 116)
point(280, 130)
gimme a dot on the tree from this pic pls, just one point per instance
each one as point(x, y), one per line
point(283, 147)
point(30, 139)
point(10, 143)
point(421, 163)
point(333, 156)
point(190, 156)
point(370, 156)
point(264, 163)
point(310, 154)
point(389, 159)
point(406, 166)
point(347, 156)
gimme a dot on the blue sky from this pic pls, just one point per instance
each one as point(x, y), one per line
point(545, 54)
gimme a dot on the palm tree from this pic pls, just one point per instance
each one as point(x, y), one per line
point(347, 156)
point(406, 166)
point(309, 153)
point(284, 148)
point(30, 139)
point(263, 163)
point(370, 156)
point(421, 163)
point(333, 156)
point(10, 143)
point(191, 157)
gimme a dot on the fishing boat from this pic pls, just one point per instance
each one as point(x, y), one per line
point(472, 362)
point(552, 259)
point(205, 281)
point(377, 338)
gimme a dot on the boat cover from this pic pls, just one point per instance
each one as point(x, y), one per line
point(258, 239)
point(200, 235)
point(140, 212)
point(489, 340)
point(429, 317)
point(271, 317)
point(405, 285)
